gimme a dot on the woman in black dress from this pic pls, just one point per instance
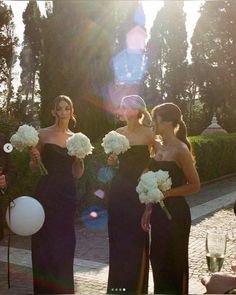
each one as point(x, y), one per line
point(170, 238)
point(128, 243)
point(53, 245)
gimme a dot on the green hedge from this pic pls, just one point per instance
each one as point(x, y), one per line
point(26, 179)
point(215, 155)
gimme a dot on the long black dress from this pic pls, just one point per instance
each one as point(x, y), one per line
point(53, 245)
point(128, 243)
point(169, 238)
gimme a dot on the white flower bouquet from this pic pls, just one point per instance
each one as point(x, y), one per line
point(151, 186)
point(27, 137)
point(114, 142)
point(79, 145)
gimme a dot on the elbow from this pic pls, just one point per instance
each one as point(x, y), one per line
point(78, 174)
point(196, 187)
point(76, 177)
point(78, 169)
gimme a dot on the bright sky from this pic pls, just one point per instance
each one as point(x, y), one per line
point(190, 7)
point(18, 8)
point(150, 9)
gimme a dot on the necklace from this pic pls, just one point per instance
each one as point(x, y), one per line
point(161, 151)
point(163, 147)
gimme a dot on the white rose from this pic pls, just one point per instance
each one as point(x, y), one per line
point(113, 142)
point(26, 136)
point(148, 179)
point(16, 142)
point(161, 176)
point(79, 145)
point(155, 195)
point(29, 135)
point(143, 198)
point(166, 185)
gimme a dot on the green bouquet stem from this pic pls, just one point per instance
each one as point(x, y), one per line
point(42, 169)
point(163, 207)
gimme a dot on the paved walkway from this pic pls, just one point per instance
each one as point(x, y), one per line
point(91, 259)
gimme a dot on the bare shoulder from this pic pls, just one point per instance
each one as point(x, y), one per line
point(70, 133)
point(182, 147)
point(183, 154)
point(45, 130)
point(121, 130)
point(42, 132)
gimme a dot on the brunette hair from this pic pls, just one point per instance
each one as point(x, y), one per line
point(170, 112)
point(65, 98)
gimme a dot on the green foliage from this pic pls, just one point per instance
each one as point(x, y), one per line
point(215, 155)
point(8, 44)
point(25, 111)
point(24, 107)
point(7, 39)
point(197, 118)
point(167, 53)
point(214, 59)
point(26, 179)
point(227, 118)
point(8, 126)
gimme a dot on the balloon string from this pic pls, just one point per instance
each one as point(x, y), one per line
point(8, 245)
point(9, 241)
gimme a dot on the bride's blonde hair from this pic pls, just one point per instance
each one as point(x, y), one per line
point(136, 103)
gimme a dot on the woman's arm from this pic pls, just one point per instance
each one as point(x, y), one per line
point(35, 153)
point(145, 220)
point(112, 160)
point(78, 168)
point(185, 161)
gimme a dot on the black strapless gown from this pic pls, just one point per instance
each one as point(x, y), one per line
point(53, 245)
point(128, 243)
point(170, 238)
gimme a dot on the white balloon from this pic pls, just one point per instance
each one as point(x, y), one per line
point(26, 216)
